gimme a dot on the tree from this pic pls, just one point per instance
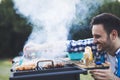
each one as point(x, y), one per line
point(109, 6)
point(14, 30)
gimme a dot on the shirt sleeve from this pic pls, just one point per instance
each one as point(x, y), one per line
point(79, 45)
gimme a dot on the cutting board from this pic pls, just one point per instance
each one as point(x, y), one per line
point(92, 66)
point(89, 67)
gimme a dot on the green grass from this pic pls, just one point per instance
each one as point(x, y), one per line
point(5, 66)
point(86, 77)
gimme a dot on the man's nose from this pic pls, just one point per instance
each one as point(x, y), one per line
point(94, 41)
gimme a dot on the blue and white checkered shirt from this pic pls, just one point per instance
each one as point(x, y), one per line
point(76, 46)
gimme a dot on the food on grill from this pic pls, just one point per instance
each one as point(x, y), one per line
point(67, 72)
point(29, 66)
point(57, 65)
point(48, 66)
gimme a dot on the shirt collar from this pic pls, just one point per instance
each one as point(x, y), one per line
point(117, 51)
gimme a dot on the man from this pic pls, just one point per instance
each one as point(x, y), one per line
point(106, 38)
point(106, 34)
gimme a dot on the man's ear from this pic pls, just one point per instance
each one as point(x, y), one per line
point(114, 34)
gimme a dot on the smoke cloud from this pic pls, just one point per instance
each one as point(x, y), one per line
point(52, 19)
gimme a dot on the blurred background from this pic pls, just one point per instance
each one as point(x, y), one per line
point(15, 29)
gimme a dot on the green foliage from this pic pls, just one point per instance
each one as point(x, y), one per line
point(13, 30)
point(109, 6)
point(77, 32)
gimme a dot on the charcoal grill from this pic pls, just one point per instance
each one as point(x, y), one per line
point(67, 72)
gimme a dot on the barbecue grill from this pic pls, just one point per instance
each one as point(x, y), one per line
point(66, 72)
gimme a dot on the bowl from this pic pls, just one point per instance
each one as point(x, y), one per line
point(75, 55)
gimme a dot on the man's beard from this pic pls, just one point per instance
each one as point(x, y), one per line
point(104, 46)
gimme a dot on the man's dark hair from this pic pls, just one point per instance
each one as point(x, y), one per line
point(109, 22)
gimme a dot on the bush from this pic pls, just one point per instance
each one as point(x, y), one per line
point(14, 30)
point(108, 7)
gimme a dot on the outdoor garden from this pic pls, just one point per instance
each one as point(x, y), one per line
point(15, 30)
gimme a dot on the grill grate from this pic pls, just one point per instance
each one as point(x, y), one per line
point(67, 72)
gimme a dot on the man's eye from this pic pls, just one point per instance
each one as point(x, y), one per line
point(97, 36)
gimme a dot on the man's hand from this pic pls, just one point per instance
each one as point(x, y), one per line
point(103, 74)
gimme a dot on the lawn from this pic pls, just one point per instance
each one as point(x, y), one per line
point(86, 77)
point(5, 65)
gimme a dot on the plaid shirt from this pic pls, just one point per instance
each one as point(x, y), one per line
point(79, 46)
point(76, 46)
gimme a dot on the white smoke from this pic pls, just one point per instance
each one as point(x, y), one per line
point(86, 8)
point(52, 19)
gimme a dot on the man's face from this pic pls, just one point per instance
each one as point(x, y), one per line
point(100, 37)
